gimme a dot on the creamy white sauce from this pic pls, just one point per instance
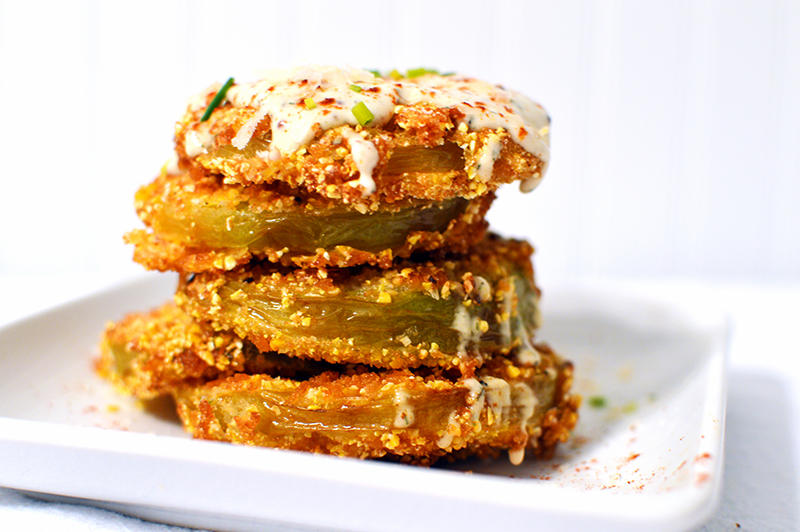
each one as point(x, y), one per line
point(498, 396)
point(270, 155)
point(484, 288)
point(531, 182)
point(197, 142)
point(452, 427)
point(484, 106)
point(467, 326)
point(475, 399)
point(445, 441)
point(525, 401)
point(281, 94)
point(244, 135)
point(516, 455)
point(526, 354)
point(404, 416)
point(366, 157)
point(171, 167)
point(489, 153)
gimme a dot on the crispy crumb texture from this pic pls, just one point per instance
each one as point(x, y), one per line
point(432, 137)
point(396, 413)
point(449, 311)
point(199, 224)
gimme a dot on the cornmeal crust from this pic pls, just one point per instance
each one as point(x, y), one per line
point(148, 354)
point(298, 127)
point(449, 311)
point(198, 224)
point(395, 413)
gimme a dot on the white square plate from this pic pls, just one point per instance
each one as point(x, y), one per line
point(647, 453)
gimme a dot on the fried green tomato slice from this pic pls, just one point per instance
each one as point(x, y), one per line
point(145, 354)
point(198, 224)
point(346, 134)
point(404, 169)
point(149, 354)
point(452, 311)
point(395, 413)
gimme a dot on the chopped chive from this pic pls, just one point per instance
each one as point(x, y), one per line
point(217, 100)
point(355, 88)
point(395, 74)
point(630, 407)
point(310, 103)
point(417, 72)
point(598, 401)
point(362, 113)
point(375, 73)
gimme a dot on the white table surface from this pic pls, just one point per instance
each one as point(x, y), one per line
point(761, 490)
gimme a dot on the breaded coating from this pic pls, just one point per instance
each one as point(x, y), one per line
point(146, 354)
point(199, 224)
point(452, 311)
point(345, 134)
point(151, 353)
point(394, 413)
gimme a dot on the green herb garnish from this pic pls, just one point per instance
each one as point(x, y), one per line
point(417, 72)
point(598, 401)
point(630, 407)
point(362, 113)
point(310, 103)
point(355, 88)
point(410, 73)
point(217, 99)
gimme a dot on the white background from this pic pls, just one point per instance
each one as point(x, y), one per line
point(676, 124)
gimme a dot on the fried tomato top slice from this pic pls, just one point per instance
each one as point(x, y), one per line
point(346, 134)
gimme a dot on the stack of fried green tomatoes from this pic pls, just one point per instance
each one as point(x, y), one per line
point(339, 292)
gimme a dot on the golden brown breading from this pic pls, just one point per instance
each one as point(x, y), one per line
point(396, 413)
point(198, 223)
point(432, 137)
point(146, 354)
point(327, 167)
point(447, 312)
point(151, 353)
